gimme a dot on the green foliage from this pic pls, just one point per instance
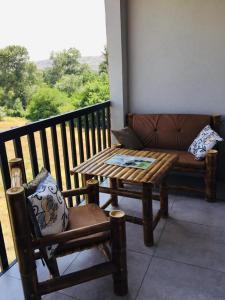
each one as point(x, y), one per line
point(103, 67)
point(92, 92)
point(69, 84)
point(46, 102)
point(17, 109)
point(16, 74)
point(2, 113)
point(65, 86)
point(65, 62)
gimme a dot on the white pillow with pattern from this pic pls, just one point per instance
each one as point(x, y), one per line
point(50, 209)
point(204, 142)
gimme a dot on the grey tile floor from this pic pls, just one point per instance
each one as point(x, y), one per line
point(186, 262)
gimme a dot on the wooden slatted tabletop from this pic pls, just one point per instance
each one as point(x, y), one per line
point(97, 166)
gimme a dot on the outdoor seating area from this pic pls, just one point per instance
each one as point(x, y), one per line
point(183, 262)
point(125, 198)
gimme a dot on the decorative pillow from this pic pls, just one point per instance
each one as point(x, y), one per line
point(31, 187)
point(49, 209)
point(128, 138)
point(204, 142)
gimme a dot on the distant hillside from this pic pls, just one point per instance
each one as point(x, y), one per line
point(92, 61)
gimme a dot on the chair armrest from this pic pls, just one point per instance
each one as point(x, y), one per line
point(117, 146)
point(75, 192)
point(70, 235)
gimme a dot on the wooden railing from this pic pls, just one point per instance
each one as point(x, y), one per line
point(57, 143)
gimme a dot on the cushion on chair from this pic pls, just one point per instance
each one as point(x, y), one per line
point(49, 209)
point(128, 138)
point(30, 187)
point(83, 216)
point(185, 159)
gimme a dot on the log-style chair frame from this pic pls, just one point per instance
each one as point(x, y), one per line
point(209, 172)
point(26, 244)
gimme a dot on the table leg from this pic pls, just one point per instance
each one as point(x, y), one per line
point(147, 214)
point(164, 198)
point(113, 185)
point(85, 178)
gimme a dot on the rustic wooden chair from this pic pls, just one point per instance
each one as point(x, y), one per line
point(88, 227)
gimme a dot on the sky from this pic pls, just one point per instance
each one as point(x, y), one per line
point(45, 25)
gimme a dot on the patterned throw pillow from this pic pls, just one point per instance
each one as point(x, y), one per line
point(204, 142)
point(49, 209)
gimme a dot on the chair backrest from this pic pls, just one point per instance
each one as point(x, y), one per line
point(169, 131)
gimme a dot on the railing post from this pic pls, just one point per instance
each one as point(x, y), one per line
point(4, 264)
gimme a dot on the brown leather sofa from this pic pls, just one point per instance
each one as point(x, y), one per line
point(175, 133)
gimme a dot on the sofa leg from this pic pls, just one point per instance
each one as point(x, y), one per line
point(210, 177)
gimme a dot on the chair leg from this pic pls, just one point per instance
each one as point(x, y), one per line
point(118, 233)
point(53, 267)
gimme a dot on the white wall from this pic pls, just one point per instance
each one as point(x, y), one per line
point(176, 56)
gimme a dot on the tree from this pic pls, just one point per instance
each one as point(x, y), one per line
point(69, 83)
point(65, 62)
point(103, 67)
point(92, 92)
point(47, 102)
point(17, 109)
point(17, 73)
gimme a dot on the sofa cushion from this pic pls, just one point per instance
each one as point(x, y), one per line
point(168, 131)
point(185, 160)
point(128, 138)
point(204, 142)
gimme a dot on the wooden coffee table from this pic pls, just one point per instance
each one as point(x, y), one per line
point(155, 175)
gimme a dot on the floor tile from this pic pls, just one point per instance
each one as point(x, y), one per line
point(198, 210)
point(168, 280)
point(58, 296)
point(10, 288)
point(194, 244)
point(102, 288)
point(43, 273)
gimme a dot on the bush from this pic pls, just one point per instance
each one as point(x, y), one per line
point(92, 92)
point(46, 102)
point(2, 113)
point(16, 110)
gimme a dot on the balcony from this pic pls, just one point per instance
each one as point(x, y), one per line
point(187, 258)
point(164, 57)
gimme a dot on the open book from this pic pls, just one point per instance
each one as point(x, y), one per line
point(131, 161)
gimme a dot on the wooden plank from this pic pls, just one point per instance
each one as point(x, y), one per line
point(93, 137)
point(4, 264)
point(33, 154)
point(96, 157)
point(99, 139)
point(103, 128)
point(77, 277)
point(55, 147)
point(74, 155)
point(87, 138)
point(18, 147)
point(44, 149)
point(80, 139)
point(66, 160)
point(108, 126)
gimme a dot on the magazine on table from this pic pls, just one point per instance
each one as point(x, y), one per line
point(128, 161)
